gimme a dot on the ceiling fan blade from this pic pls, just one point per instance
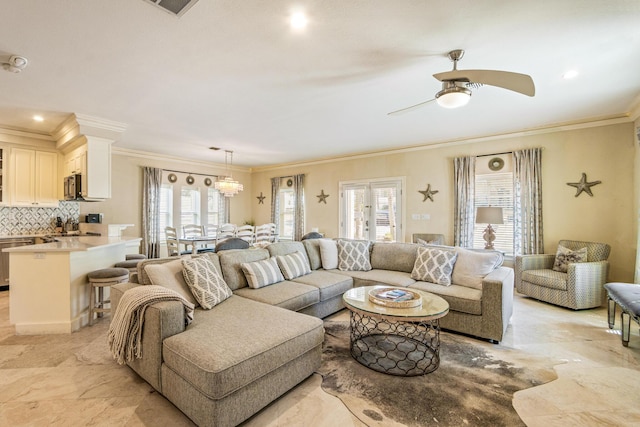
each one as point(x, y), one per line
point(407, 109)
point(516, 82)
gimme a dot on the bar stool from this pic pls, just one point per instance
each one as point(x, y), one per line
point(99, 279)
point(131, 265)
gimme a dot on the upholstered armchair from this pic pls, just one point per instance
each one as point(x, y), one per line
point(582, 286)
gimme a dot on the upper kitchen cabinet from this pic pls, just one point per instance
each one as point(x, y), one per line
point(33, 178)
point(86, 144)
point(92, 160)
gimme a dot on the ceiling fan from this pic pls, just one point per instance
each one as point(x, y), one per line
point(457, 84)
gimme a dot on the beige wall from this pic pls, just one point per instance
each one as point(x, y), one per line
point(604, 153)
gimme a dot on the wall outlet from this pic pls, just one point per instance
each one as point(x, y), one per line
point(426, 216)
point(415, 216)
point(39, 255)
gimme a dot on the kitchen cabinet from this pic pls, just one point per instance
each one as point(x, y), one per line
point(93, 161)
point(34, 178)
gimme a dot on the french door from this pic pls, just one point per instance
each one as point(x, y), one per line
point(372, 210)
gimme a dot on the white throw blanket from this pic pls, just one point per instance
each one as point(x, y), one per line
point(125, 330)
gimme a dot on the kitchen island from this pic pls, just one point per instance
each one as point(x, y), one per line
point(49, 290)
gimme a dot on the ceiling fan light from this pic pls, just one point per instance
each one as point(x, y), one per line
point(453, 97)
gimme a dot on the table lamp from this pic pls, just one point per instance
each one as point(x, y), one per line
point(489, 215)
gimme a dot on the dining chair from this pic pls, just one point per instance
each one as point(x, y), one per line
point(246, 232)
point(265, 233)
point(173, 246)
point(225, 231)
point(192, 230)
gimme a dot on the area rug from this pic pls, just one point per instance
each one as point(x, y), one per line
point(471, 387)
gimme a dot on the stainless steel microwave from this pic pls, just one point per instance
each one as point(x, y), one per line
point(73, 187)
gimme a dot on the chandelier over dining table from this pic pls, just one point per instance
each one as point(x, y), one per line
point(227, 185)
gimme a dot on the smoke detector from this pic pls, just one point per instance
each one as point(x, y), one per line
point(15, 64)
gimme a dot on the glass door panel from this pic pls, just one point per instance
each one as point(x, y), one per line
point(371, 211)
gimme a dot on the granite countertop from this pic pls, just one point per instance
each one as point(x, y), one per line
point(73, 244)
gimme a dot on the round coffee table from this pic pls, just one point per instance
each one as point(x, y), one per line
point(396, 341)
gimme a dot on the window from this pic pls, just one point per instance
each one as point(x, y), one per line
point(166, 207)
point(372, 210)
point(190, 206)
point(213, 206)
point(287, 213)
point(495, 189)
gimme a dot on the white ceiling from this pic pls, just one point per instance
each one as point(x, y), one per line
point(232, 74)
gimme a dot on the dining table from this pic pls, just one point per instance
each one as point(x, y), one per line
point(194, 242)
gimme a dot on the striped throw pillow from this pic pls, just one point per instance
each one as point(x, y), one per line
point(293, 265)
point(262, 273)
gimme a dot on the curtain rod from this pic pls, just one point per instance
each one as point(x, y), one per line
point(189, 173)
point(498, 154)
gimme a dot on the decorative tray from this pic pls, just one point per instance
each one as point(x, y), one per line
point(395, 297)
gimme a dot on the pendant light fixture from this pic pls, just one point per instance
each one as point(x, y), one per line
point(226, 185)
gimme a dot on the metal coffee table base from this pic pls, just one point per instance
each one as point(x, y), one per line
point(395, 347)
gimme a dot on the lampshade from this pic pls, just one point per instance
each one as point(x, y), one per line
point(453, 96)
point(489, 215)
point(227, 185)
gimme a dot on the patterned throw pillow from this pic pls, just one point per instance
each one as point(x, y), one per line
point(434, 265)
point(293, 265)
point(565, 256)
point(206, 284)
point(262, 273)
point(353, 255)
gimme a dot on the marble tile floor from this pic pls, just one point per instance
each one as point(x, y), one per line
point(71, 380)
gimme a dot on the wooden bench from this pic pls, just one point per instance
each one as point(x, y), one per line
point(627, 296)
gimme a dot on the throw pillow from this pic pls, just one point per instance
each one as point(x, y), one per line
point(423, 242)
point(206, 284)
point(328, 253)
point(262, 273)
point(565, 256)
point(472, 266)
point(434, 265)
point(293, 265)
point(169, 275)
point(353, 255)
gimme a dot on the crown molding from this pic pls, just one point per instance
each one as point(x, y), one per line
point(557, 127)
point(181, 160)
point(77, 125)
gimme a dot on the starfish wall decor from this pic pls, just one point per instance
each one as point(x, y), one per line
point(583, 185)
point(322, 197)
point(261, 199)
point(428, 193)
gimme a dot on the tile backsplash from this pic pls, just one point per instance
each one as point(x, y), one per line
point(20, 221)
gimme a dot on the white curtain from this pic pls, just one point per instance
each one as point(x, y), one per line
point(275, 203)
point(152, 180)
point(464, 200)
point(527, 201)
point(298, 225)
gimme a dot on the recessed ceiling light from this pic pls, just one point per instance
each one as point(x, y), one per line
point(570, 74)
point(298, 21)
point(38, 118)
